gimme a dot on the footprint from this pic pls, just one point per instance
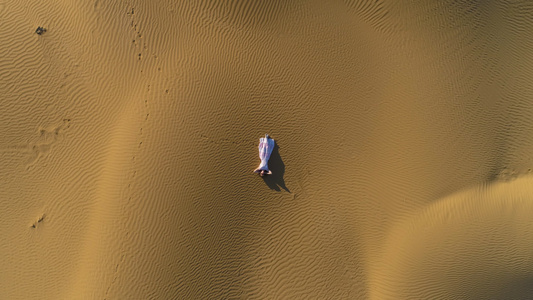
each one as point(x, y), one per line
point(39, 220)
point(97, 5)
point(42, 145)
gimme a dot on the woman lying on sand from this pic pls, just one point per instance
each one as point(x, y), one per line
point(266, 145)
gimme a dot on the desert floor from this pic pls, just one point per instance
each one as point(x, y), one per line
point(402, 167)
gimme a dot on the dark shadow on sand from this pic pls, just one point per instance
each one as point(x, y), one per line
point(276, 165)
point(517, 288)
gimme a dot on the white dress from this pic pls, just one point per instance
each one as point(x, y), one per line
point(266, 145)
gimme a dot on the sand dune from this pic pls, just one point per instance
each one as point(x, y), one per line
point(473, 244)
point(401, 171)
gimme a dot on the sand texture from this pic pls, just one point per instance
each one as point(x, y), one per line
point(402, 167)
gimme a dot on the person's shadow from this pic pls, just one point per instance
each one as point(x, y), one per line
point(275, 181)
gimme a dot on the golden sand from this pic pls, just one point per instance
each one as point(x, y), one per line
point(130, 132)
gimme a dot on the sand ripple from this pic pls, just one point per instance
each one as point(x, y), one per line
point(130, 129)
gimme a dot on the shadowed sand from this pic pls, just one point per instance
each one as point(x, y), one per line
point(275, 181)
point(130, 128)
